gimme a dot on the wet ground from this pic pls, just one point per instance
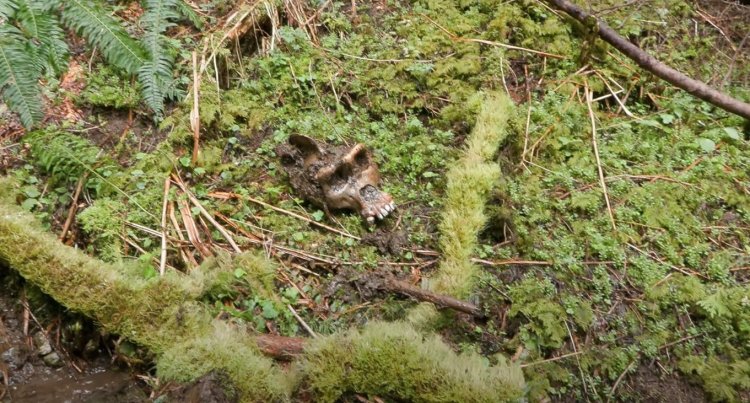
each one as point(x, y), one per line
point(37, 366)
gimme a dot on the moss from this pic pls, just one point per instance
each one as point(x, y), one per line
point(158, 314)
point(227, 349)
point(395, 361)
point(470, 180)
point(103, 221)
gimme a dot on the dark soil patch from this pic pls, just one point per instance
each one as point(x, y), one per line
point(651, 385)
point(124, 130)
point(210, 388)
point(391, 242)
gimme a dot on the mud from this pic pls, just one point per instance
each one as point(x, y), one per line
point(36, 367)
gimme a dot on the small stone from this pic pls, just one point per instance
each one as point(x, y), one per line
point(52, 360)
point(45, 348)
point(41, 343)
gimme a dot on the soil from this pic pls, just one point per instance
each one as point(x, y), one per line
point(387, 242)
point(27, 376)
point(649, 384)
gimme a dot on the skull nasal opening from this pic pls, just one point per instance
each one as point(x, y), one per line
point(369, 193)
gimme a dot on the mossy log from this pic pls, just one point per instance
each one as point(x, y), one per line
point(161, 314)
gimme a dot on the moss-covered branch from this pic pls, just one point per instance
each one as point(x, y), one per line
point(469, 181)
point(387, 359)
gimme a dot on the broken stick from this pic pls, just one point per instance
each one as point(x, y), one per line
point(646, 61)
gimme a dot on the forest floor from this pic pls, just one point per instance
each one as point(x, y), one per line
point(632, 285)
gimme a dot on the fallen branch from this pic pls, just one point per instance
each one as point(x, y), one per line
point(421, 294)
point(694, 87)
point(73, 206)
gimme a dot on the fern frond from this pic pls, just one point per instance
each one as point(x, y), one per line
point(187, 12)
point(64, 156)
point(100, 29)
point(19, 75)
point(155, 75)
point(7, 9)
point(43, 28)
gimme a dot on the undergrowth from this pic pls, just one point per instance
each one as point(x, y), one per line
point(587, 308)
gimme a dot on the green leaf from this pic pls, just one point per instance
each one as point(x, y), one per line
point(239, 273)
point(707, 145)
point(29, 204)
point(31, 191)
point(318, 215)
point(269, 311)
point(732, 133)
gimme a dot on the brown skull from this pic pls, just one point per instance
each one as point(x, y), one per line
point(336, 178)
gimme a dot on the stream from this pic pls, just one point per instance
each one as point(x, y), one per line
point(36, 367)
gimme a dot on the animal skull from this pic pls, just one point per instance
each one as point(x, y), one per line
point(341, 178)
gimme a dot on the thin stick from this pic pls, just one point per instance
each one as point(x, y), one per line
point(619, 379)
point(195, 120)
point(163, 258)
point(681, 270)
point(552, 359)
point(302, 322)
point(580, 369)
point(589, 96)
point(73, 206)
point(229, 195)
point(192, 229)
point(393, 285)
point(206, 215)
point(187, 256)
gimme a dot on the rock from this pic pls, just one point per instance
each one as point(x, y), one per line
point(42, 344)
point(53, 360)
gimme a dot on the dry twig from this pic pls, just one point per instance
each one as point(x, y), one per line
point(596, 154)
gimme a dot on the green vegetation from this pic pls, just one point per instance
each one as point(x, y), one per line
point(26, 23)
point(594, 302)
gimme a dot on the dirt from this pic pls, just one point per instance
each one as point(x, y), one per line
point(210, 388)
point(35, 367)
point(650, 384)
point(387, 242)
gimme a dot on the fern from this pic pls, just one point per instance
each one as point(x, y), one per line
point(155, 75)
point(41, 26)
point(19, 75)
point(7, 10)
point(91, 21)
point(64, 156)
point(187, 12)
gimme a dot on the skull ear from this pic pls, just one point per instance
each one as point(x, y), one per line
point(306, 146)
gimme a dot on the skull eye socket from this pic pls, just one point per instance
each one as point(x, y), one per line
point(362, 159)
point(341, 175)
